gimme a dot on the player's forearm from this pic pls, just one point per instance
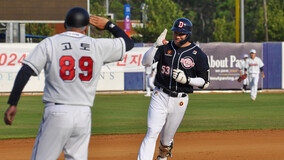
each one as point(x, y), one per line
point(148, 57)
point(196, 82)
point(205, 76)
point(117, 32)
point(20, 82)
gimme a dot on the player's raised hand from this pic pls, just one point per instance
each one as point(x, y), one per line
point(10, 114)
point(162, 39)
point(99, 22)
point(179, 76)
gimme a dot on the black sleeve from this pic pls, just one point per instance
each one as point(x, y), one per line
point(261, 69)
point(205, 75)
point(202, 66)
point(21, 80)
point(117, 32)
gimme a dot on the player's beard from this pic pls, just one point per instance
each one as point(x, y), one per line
point(176, 41)
point(178, 44)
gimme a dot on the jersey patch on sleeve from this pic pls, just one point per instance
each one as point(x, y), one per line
point(187, 62)
point(169, 53)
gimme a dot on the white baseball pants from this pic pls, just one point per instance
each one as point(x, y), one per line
point(253, 83)
point(63, 128)
point(164, 115)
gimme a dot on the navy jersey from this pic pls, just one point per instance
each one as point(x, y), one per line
point(191, 59)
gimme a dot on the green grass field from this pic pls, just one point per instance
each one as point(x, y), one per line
point(123, 114)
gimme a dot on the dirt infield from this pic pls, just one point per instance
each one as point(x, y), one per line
point(221, 145)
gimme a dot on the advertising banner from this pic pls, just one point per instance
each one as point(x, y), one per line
point(111, 76)
point(11, 55)
point(224, 61)
point(132, 62)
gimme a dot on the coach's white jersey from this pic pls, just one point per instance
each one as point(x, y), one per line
point(72, 64)
point(253, 65)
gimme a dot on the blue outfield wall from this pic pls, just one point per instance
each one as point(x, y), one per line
point(272, 59)
point(133, 81)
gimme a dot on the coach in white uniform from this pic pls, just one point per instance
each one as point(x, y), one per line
point(253, 66)
point(71, 62)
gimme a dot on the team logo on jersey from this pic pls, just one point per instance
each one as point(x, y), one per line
point(187, 62)
point(254, 64)
point(194, 52)
point(181, 103)
point(169, 53)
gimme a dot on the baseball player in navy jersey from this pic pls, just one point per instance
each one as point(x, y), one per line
point(71, 62)
point(181, 65)
point(242, 72)
point(253, 66)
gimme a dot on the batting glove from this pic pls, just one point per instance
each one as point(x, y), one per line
point(179, 76)
point(162, 39)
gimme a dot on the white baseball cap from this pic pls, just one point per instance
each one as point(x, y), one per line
point(252, 51)
point(246, 56)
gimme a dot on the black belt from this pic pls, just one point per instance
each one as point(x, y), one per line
point(172, 93)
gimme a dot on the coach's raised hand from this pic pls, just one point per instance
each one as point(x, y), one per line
point(161, 40)
point(99, 22)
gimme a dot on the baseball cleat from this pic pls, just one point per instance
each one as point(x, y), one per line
point(160, 158)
